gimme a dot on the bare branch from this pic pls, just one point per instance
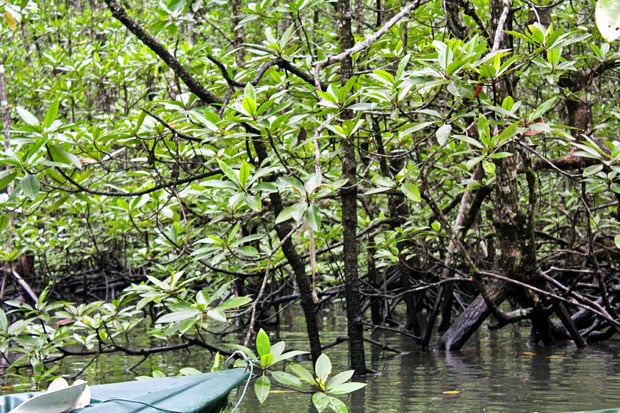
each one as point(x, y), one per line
point(499, 31)
point(152, 43)
point(364, 44)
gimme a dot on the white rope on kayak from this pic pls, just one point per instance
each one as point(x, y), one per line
point(250, 365)
point(140, 403)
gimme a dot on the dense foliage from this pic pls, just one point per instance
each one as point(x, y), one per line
point(168, 163)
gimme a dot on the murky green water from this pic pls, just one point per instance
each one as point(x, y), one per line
point(498, 373)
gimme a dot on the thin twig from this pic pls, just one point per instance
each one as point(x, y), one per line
point(363, 44)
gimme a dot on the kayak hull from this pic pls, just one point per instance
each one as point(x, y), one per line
point(202, 393)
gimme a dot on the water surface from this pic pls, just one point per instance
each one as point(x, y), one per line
point(495, 372)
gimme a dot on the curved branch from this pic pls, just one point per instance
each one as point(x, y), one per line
point(579, 80)
point(306, 77)
point(82, 188)
point(152, 43)
point(363, 44)
point(231, 82)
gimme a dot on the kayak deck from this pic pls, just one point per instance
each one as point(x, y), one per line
point(202, 393)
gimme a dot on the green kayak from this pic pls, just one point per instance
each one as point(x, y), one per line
point(202, 393)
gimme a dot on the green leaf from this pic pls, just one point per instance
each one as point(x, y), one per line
point(592, 170)
point(249, 91)
point(500, 155)
point(4, 324)
point(246, 350)
point(542, 109)
point(249, 105)
point(617, 241)
point(383, 76)
point(343, 91)
point(217, 314)
point(484, 132)
point(329, 97)
point(320, 401)
point(303, 373)
point(415, 128)
point(58, 154)
point(158, 283)
point(51, 114)
point(340, 378)
point(337, 405)
point(190, 371)
point(553, 56)
point(507, 134)
point(607, 16)
point(323, 367)
point(244, 174)
point(263, 344)
point(277, 349)
point(6, 177)
point(508, 103)
point(286, 379)
point(27, 117)
point(443, 133)
point(178, 316)
point(489, 168)
point(266, 360)
point(346, 388)
point(30, 185)
point(313, 218)
point(294, 212)
point(289, 354)
point(158, 374)
point(234, 302)
point(262, 385)
point(202, 296)
point(411, 191)
point(4, 222)
point(229, 172)
point(216, 183)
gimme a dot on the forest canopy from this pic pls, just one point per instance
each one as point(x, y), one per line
point(196, 167)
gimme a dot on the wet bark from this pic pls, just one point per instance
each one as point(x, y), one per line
point(303, 282)
point(348, 199)
point(470, 320)
point(239, 33)
point(399, 210)
point(454, 20)
point(513, 224)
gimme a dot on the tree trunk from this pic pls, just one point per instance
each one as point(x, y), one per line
point(283, 230)
point(468, 322)
point(239, 33)
point(348, 198)
point(513, 224)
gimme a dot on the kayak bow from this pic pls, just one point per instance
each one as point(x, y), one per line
point(201, 393)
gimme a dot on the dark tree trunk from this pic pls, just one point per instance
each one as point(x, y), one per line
point(513, 223)
point(239, 34)
point(348, 199)
point(294, 259)
point(468, 322)
point(303, 283)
